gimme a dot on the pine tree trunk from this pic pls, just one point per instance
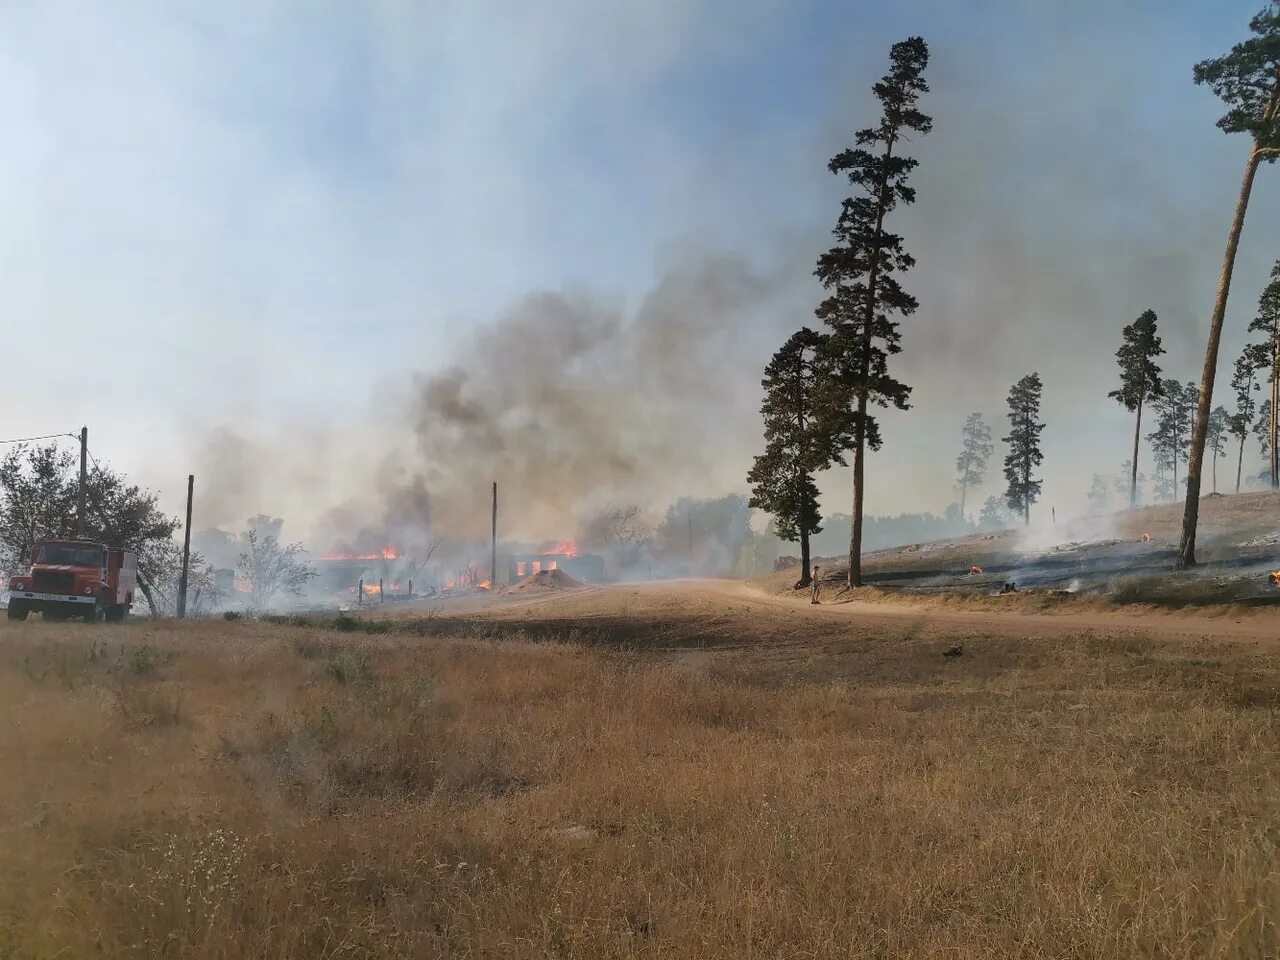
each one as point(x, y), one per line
point(1215, 468)
point(1191, 514)
point(1026, 485)
point(1275, 409)
point(855, 532)
point(1133, 478)
point(860, 446)
point(803, 454)
point(964, 488)
point(1239, 464)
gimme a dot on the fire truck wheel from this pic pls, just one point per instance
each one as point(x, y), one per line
point(17, 611)
point(117, 613)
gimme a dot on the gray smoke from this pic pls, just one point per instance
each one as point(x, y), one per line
point(574, 404)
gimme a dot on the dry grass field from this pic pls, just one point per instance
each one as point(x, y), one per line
point(457, 789)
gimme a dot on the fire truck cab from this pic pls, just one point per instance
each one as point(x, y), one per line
point(75, 578)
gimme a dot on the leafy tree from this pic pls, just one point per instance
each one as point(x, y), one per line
point(975, 451)
point(270, 567)
point(1262, 430)
point(39, 490)
point(1139, 379)
point(1174, 412)
point(1248, 80)
point(1099, 493)
point(861, 271)
point(1244, 383)
point(1163, 488)
point(1217, 441)
point(1024, 446)
point(994, 514)
point(801, 437)
point(1123, 482)
point(622, 534)
point(711, 533)
point(1267, 354)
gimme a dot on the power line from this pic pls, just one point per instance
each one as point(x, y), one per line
point(47, 436)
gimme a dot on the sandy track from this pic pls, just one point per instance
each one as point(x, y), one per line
point(732, 606)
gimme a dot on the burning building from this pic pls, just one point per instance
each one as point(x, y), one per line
point(564, 556)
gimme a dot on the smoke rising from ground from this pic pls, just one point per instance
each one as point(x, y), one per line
point(574, 404)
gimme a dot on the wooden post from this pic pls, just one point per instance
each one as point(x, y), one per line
point(493, 540)
point(84, 471)
point(186, 551)
point(382, 597)
point(410, 589)
point(360, 593)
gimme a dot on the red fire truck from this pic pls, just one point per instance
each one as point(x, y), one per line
point(75, 578)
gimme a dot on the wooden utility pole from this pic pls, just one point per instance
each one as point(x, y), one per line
point(360, 593)
point(82, 530)
point(493, 540)
point(186, 551)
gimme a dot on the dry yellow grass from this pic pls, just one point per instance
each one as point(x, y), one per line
point(249, 790)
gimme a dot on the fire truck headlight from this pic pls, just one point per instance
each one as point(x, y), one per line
point(88, 590)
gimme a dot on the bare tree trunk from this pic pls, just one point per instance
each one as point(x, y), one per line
point(855, 531)
point(805, 578)
point(803, 455)
point(1275, 404)
point(1191, 514)
point(1133, 478)
point(1239, 464)
point(1215, 469)
point(146, 592)
point(860, 451)
point(964, 488)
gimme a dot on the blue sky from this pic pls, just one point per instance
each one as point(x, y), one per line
point(263, 219)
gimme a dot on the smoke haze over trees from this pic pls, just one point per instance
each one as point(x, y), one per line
point(354, 263)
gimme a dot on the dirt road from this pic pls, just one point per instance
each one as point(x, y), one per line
point(729, 609)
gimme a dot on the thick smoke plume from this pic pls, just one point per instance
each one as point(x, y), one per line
point(572, 402)
point(574, 405)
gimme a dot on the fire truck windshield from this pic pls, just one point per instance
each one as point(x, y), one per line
point(70, 555)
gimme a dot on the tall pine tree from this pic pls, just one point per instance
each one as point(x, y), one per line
point(1219, 420)
point(802, 436)
point(1248, 80)
point(1024, 446)
point(1267, 322)
point(1243, 382)
point(1139, 379)
point(860, 273)
point(975, 451)
point(1175, 410)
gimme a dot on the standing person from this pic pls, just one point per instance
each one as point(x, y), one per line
point(813, 597)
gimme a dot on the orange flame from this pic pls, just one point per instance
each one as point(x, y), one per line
point(386, 553)
point(975, 569)
point(1146, 538)
point(1274, 577)
point(565, 548)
